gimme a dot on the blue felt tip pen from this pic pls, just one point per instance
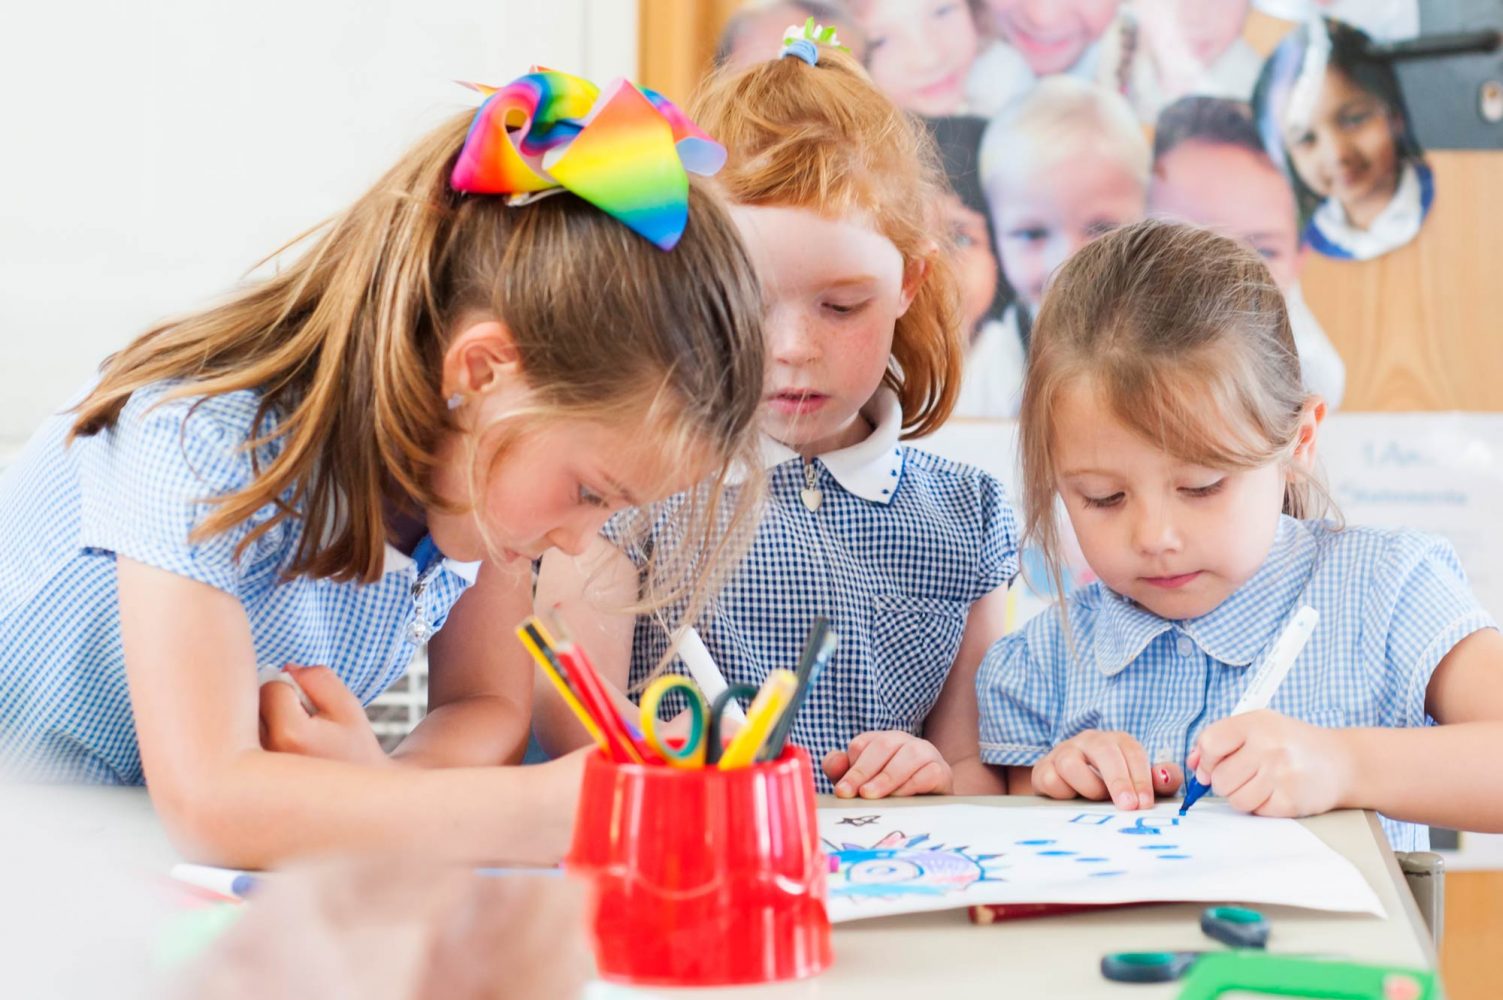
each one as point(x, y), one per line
point(1264, 682)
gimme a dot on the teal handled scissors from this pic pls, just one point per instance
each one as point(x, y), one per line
point(703, 744)
point(1233, 925)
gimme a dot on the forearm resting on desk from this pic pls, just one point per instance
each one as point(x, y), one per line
point(484, 729)
point(1442, 775)
point(259, 809)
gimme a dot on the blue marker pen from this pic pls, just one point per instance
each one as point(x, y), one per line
point(1264, 683)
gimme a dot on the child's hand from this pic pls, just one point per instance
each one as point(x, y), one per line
point(338, 731)
point(888, 763)
point(1269, 764)
point(399, 928)
point(1097, 764)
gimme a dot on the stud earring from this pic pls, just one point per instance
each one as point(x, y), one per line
point(456, 401)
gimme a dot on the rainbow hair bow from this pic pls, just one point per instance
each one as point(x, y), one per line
point(624, 150)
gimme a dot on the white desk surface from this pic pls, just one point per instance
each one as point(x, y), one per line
point(911, 957)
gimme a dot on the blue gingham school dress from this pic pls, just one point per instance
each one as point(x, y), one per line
point(138, 491)
point(899, 547)
point(1391, 604)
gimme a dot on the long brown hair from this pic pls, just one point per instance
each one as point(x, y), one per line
point(824, 138)
point(1185, 335)
point(345, 345)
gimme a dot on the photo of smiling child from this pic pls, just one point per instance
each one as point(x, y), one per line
point(1210, 169)
point(1334, 115)
point(1061, 165)
point(1027, 40)
point(919, 53)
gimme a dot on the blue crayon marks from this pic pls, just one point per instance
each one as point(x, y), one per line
point(1144, 827)
point(1034, 843)
point(1173, 857)
point(1159, 847)
point(1106, 874)
point(1093, 819)
point(1092, 861)
point(1055, 854)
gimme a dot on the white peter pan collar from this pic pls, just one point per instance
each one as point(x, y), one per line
point(1396, 225)
point(397, 561)
point(870, 469)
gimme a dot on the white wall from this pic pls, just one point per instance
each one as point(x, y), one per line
point(152, 152)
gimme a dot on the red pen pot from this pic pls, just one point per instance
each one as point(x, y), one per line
point(703, 877)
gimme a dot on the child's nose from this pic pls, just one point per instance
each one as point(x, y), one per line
point(791, 340)
point(1154, 531)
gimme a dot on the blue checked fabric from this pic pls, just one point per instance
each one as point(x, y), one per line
point(1391, 604)
point(896, 576)
point(138, 490)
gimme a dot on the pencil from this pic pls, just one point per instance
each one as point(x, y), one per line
point(771, 702)
point(537, 645)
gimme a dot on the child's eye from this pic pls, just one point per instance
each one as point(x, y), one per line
point(1210, 489)
point(1100, 227)
point(1110, 501)
point(590, 498)
point(1030, 234)
point(1305, 140)
point(1354, 120)
point(845, 308)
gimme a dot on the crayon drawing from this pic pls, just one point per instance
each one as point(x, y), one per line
point(906, 859)
point(899, 865)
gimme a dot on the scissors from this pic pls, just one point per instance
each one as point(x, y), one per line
point(703, 744)
point(1232, 925)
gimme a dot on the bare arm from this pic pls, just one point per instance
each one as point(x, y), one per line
point(191, 668)
point(479, 678)
point(1447, 774)
point(953, 726)
point(587, 592)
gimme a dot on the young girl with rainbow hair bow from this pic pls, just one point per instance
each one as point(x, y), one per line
point(835, 191)
point(533, 319)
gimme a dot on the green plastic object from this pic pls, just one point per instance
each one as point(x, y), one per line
point(1257, 972)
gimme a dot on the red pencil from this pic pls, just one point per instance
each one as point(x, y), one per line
point(586, 682)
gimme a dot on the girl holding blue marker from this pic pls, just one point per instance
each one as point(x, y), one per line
point(1164, 410)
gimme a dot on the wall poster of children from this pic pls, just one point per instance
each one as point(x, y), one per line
point(1059, 120)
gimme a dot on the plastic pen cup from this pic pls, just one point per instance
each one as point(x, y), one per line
point(703, 876)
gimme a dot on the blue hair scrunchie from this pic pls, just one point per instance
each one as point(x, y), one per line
point(801, 48)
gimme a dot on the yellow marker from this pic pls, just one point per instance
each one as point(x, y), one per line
point(1010, 608)
point(774, 697)
point(541, 656)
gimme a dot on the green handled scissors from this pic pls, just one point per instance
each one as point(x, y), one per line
point(703, 744)
point(1232, 925)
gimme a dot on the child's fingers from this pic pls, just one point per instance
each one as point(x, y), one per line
point(910, 756)
point(284, 718)
point(1045, 780)
point(835, 764)
point(328, 693)
point(866, 762)
point(1218, 741)
point(1138, 772)
point(1109, 758)
point(1167, 778)
point(1252, 794)
point(1233, 773)
point(932, 778)
point(1077, 772)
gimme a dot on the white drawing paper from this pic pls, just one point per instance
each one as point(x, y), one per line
point(905, 860)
